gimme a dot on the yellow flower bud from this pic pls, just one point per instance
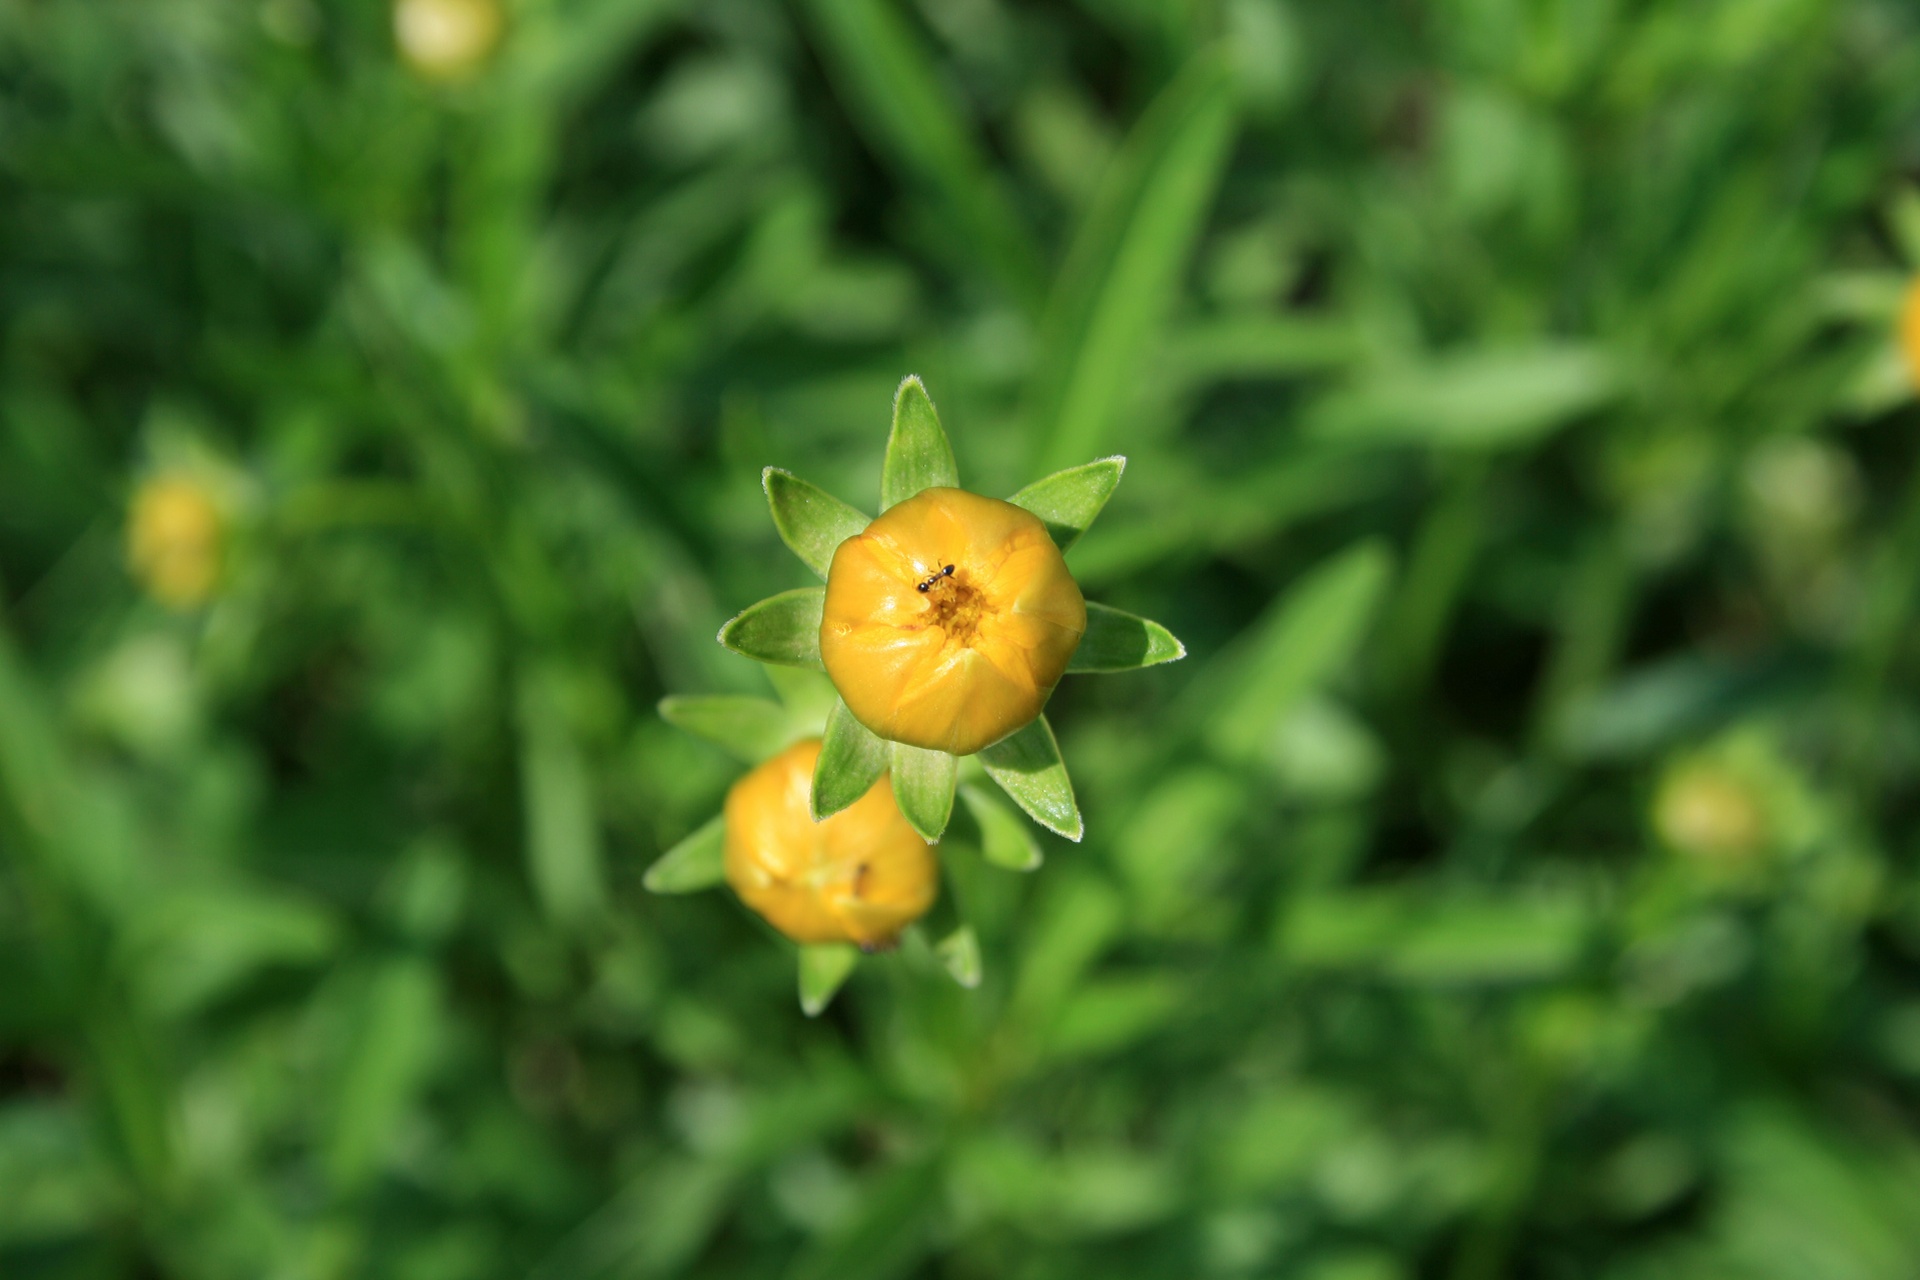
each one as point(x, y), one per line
point(859, 876)
point(949, 620)
point(1910, 330)
point(174, 536)
point(446, 39)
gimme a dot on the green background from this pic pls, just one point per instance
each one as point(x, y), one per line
point(1515, 436)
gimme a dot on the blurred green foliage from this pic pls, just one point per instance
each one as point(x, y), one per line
point(1518, 880)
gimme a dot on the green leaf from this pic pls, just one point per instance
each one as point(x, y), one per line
point(749, 729)
point(959, 951)
point(824, 967)
point(1302, 641)
point(918, 454)
point(852, 758)
point(697, 862)
point(782, 629)
point(1028, 767)
point(811, 521)
point(901, 94)
point(1127, 261)
point(1478, 400)
point(1067, 501)
point(394, 1034)
point(562, 829)
point(1117, 641)
point(1005, 841)
point(807, 695)
point(923, 787)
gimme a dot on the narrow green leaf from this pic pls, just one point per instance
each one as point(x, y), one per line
point(811, 521)
point(852, 758)
point(749, 729)
point(918, 453)
point(697, 862)
point(1028, 767)
point(824, 967)
point(959, 951)
point(396, 1025)
point(1117, 641)
point(782, 629)
point(923, 787)
point(1127, 260)
point(1483, 399)
point(562, 829)
point(900, 94)
point(1005, 841)
point(1067, 501)
point(1302, 641)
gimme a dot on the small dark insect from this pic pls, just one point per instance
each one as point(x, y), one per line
point(944, 573)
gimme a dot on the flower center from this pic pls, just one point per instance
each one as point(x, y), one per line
point(959, 608)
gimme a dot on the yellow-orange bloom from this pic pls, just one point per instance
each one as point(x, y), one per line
point(859, 876)
point(446, 39)
point(174, 535)
point(1910, 330)
point(949, 620)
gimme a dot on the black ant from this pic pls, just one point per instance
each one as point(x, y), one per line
point(944, 573)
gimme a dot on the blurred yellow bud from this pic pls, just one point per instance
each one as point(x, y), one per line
point(859, 876)
point(949, 621)
point(1910, 330)
point(1709, 812)
point(175, 532)
point(446, 39)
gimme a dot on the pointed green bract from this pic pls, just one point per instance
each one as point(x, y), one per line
point(697, 862)
point(811, 521)
point(824, 967)
point(1067, 501)
point(1028, 767)
point(918, 454)
point(923, 787)
point(782, 629)
point(807, 696)
point(1116, 641)
point(1005, 840)
point(852, 758)
point(959, 951)
point(748, 729)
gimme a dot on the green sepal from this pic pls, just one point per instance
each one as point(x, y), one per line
point(811, 521)
point(748, 729)
point(1067, 501)
point(1005, 841)
point(852, 758)
point(1028, 767)
point(824, 968)
point(696, 863)
point(807, 695)
point(782, 629)
point(918, 453)
point(1117, 641)
point(923, 787)
point(959, 951)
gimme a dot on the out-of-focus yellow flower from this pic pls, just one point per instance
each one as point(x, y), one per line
point(1709, 812)
point(175, 536)
point(1910, 330)
point(859, 876)
point(446, 39)
point(949, 620)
